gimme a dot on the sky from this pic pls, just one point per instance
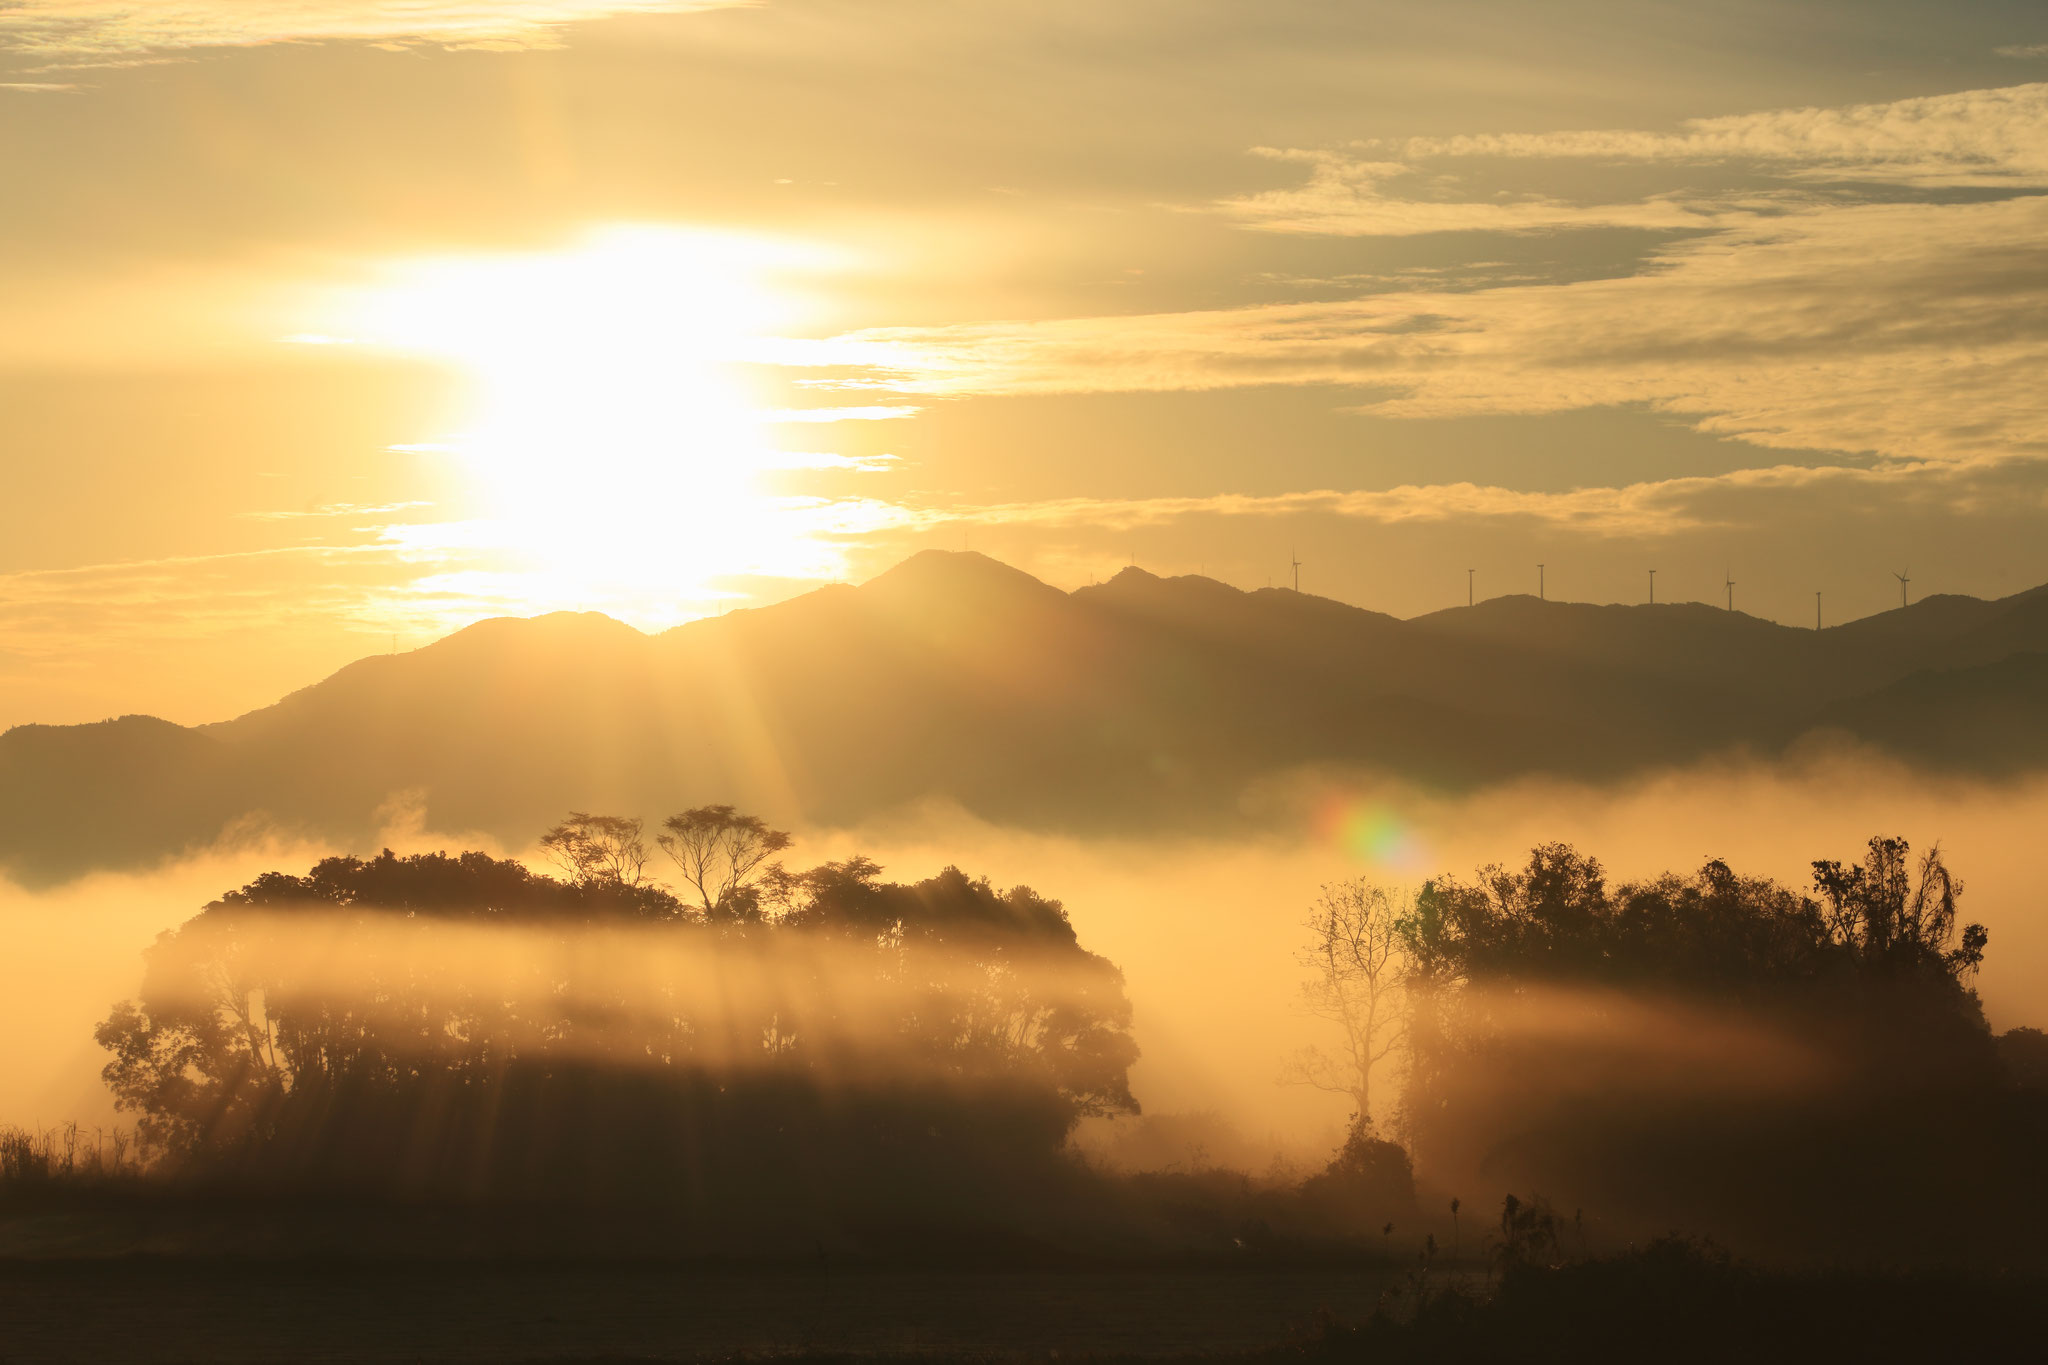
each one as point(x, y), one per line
point(330, 326)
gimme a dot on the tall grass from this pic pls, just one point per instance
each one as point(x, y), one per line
point(65, 1156)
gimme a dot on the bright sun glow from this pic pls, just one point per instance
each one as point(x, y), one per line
point(618, 462)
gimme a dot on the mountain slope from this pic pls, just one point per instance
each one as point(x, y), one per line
point(1986, 721)
point(1138, 704)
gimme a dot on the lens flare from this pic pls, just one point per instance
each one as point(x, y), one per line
point(1372, 832)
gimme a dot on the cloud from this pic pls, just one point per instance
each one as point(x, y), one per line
point(1995, 138)
point(1741, 498)
point(1975, 138)
point(1346, 196)
point(99, 27)
point(45, 612)
point(1910, 331)
point(338, 509)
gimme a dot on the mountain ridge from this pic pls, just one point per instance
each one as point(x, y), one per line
point(1135, 705)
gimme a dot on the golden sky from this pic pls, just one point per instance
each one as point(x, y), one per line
point(330, 325)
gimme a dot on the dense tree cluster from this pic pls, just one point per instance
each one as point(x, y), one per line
point(1557, 919)
point(1710, 1051)
point(459, 1023)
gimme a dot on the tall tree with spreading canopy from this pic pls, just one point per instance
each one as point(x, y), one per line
point(720, 852)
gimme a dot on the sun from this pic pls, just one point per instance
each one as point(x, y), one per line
point(616, 455)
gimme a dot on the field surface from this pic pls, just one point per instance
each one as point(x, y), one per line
point(162, 1312)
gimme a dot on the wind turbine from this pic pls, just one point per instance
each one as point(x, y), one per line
point(1541, 596)
point(1653, 587)
point(1297, 568)
point(1468, 586)
point(1730, 585)
point(1903, 581)
point(1816, 611)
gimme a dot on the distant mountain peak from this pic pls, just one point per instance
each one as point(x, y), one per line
point(558, 624)
point(1133, 585)
point(957, 576)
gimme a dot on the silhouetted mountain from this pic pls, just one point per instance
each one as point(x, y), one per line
point(1991, 720)
point(1139, 704)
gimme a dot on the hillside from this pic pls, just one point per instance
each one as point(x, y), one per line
point(1138, 704)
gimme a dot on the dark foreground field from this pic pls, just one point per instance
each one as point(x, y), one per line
point(1671, 1302)
point(147, 1310)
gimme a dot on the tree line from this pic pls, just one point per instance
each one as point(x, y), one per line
point(823, 1048)
point(1806, 1069)
point(774, 1039)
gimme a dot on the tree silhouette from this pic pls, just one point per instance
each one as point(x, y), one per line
point(598, 849)
point(1553, 1039)
point(1356, 952)
point(1891, 918)
point(719, 851)
point(349, 1025)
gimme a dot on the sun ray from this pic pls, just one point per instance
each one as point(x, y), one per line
point(615, 453)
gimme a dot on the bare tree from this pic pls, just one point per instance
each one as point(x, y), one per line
point(1358, 967)
point(602, 850)
point(719, 852)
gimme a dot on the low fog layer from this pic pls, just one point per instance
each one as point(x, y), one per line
point(1206, 933)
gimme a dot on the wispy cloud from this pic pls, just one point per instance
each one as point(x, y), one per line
point(1353, 197)
point(1974, 138)
point(1908, 330)
point(99, 27)
point(1652, 508)
point(46, 613)
point(337, 509)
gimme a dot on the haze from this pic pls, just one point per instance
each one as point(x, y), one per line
point(1157, 680)
point(660, 308)
point(1205, 931)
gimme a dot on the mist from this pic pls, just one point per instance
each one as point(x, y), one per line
point(1205, 931)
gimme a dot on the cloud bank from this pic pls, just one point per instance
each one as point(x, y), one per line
point(1906, 330)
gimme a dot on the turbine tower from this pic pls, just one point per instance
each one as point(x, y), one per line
point(1730, 585)
point(1541, 596)
point(1653, 587)
point(1468, 586)
point(1297, 568)
point(1816, 611)
point(1903, 581)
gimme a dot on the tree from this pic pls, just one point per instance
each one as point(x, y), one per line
point(1356, 954)
point(598, 850)
point(719, 852)
point(1896, 921)
point(1558, 1030)
point(317, 1025)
